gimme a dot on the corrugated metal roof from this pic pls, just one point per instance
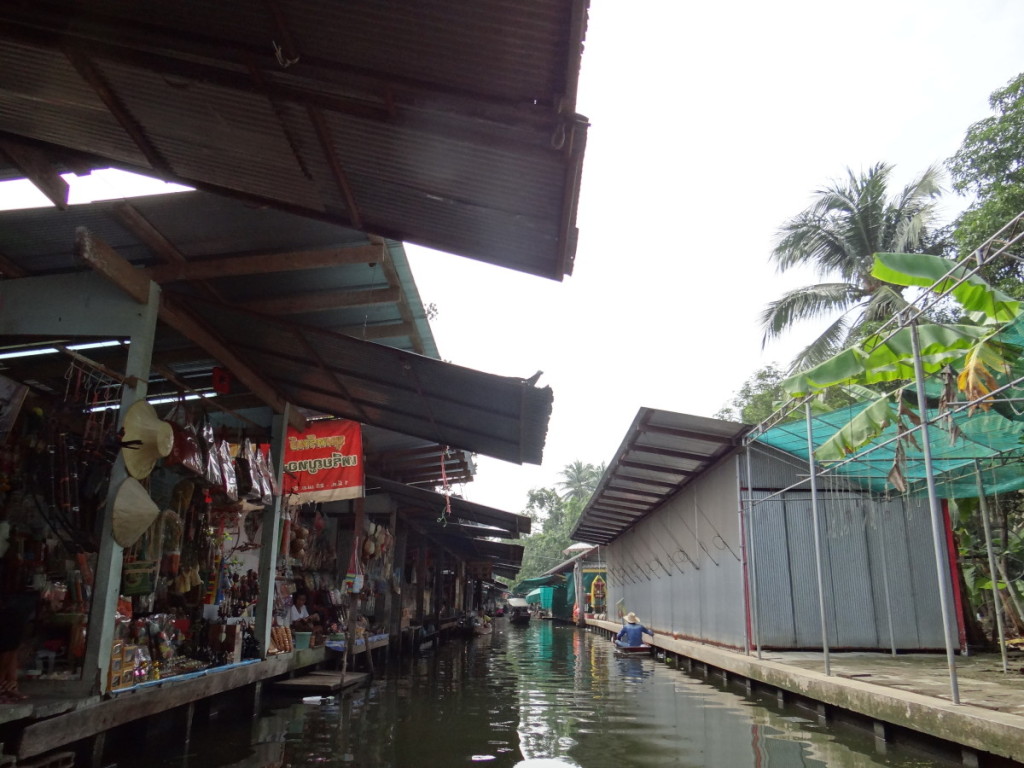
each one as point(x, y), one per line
point(661, 452)
point(451, 125)
point(236, 258)
point(498, 416)
point(504, 524)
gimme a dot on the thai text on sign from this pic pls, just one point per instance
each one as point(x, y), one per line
point(324, 462)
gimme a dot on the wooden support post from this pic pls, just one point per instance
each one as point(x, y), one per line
point(421, 582)
point(970, 758)
point(270, 530)
point(257, 698)
point(97, 745)
point(823, 712)
point(401, 544)
point(189, 712)
point(780, 698)
point(107, 584)
point(881, 736)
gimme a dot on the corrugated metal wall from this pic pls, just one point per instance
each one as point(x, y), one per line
point(680, 568)
point(681, 571)
point(878, 567)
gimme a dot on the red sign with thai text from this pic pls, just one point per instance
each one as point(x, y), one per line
point(324, 462)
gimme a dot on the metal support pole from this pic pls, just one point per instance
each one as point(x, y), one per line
point(751, 556)
point(885, 584)
point(938, 540)
point(817, 537)
point(983, 506)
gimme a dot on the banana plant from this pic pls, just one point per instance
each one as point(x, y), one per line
point(882, 359)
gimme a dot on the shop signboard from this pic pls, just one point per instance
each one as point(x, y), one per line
point(324, 462)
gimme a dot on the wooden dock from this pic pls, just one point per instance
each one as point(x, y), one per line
point(320, 682)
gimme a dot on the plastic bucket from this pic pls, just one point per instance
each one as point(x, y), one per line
point(301, 640)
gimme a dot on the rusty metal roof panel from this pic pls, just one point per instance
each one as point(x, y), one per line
point(498, 416)
point(660, 454)
point(452, 126)
point(42, 96)
point(513, 525)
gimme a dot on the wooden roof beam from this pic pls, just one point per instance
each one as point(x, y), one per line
point(404, 311)
point(154, 239)
point(9, 270)
point(109, 263)
point(322, 301)
point(700, 458)
point(323, 133)
point(36, 165)
point(266, 263)
point(655, 468)
point(120, 113)
point(687, 434)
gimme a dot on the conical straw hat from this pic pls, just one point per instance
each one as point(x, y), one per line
point(134, 512)
point(146, 439)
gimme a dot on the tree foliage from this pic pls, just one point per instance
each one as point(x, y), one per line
point(990, 166)
point(757, 399)
point(557, 514)
point(838, 235)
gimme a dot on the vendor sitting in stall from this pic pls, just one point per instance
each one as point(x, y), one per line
point(299, 616)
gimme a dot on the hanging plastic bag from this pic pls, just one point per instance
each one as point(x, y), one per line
point(185, 450)
point(227, 468)
point(353, 583)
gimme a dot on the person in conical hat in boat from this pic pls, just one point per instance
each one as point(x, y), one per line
point(632, 633)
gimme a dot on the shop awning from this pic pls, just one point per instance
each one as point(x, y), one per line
point(430, 504)
point(661, 452)
point(452, 126)
point(533, 596)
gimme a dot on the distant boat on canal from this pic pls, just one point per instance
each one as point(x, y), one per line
point(519, 611)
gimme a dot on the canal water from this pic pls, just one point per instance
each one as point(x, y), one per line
point(544, 696)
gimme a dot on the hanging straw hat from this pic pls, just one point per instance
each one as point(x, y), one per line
point(146, 439)
point(134, 512)
point(631, 618)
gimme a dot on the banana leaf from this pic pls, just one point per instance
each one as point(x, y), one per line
point(877, 360)
point(924, 270)
point(862, 428)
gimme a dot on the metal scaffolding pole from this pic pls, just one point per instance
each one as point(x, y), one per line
point(751, 557)
point(885, 584)
point(938, 540)
point(817, 537)
point(994, 574)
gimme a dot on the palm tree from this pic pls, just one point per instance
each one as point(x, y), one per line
point(579, 480)
point(838, 235)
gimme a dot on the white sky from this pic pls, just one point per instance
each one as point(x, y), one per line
point(711, 124)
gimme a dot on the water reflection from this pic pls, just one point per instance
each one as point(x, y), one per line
point(543, 696)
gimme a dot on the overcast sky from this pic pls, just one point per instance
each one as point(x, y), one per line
point(711, 124)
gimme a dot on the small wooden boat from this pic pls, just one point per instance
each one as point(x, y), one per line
point(632, 650)
point(519, 611)
point(481, 627)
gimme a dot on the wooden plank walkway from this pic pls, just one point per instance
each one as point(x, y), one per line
point(322, 682)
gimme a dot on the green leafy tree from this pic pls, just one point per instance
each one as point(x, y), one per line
point(557, 514)
point(990, 166)
point(757, 399)
point(838, 235)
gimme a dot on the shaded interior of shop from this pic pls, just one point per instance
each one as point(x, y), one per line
point(257, 303)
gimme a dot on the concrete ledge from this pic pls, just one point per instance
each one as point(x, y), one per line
point(971, 726)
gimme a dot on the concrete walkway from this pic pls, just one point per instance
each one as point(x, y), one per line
point(910, 691)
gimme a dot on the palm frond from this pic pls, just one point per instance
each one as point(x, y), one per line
point(810, 302)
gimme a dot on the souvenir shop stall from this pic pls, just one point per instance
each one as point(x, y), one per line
point(186, 518)
point(335, 561)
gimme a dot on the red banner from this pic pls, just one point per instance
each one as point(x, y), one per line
point(324, 462)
